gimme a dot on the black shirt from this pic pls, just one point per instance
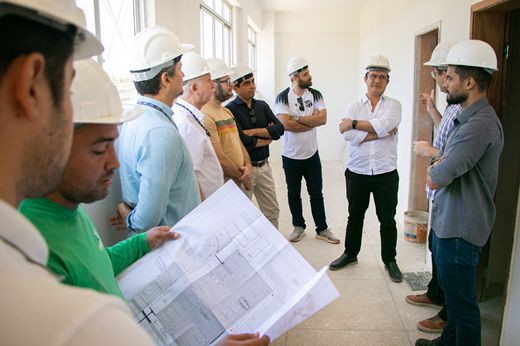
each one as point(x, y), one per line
point(264, 115)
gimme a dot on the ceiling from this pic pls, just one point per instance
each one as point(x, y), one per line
point(311, 5)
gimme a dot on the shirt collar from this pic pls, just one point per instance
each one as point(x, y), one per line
point(239, 101)
point(192, 108)
point(155, 102)
point(292, 91)
point(465, 115)
point(366, 99)
point(22, 234)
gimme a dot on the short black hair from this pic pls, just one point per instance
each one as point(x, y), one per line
point(152, 86)
point(241, 79)
point(481, 76)
point(21, 36)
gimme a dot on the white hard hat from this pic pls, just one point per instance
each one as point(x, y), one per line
point(57, 14)
point(193, 66)
point(473, 53)
point(379, 61)
point(95, 99)
point(296, 64)
point(153, 49)
point(219, 67)
point(440, 53)
point(238, 72)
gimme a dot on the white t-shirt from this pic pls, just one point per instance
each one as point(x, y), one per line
point(205, 162)
point(299, 145)
point(38, 310)
point(379, 156)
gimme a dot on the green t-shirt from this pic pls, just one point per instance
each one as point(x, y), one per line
point(76, 250)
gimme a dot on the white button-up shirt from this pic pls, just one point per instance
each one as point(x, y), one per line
point(377, 156)
point(205, 161)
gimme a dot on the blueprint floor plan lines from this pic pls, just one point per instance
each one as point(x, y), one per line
point(230, 272)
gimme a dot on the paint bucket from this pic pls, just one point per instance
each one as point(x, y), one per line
point(415, 226)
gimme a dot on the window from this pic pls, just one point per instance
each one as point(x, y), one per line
point(251, 47)
point(215, 29)
point(113, 22)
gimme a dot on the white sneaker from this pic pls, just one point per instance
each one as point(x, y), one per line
point(297, 234)
point(328, 236)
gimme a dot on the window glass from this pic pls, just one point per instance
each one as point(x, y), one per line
point(215, 30)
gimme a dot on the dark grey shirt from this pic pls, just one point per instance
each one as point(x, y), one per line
point(467, 176)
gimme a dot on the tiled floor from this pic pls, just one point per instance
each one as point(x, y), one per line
point(371, 309)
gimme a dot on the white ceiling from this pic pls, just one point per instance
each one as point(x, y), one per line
point(311, 5)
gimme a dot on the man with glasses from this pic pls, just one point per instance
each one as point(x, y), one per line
point(301, 109)
point(370, 125)
point(258, 127)
point(435, 295)
point(219, 122)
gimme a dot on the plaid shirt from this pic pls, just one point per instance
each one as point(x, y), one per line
point(451, 112)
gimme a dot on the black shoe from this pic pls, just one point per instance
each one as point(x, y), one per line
point(342, 262)
point(394, 272)
point(426, 342)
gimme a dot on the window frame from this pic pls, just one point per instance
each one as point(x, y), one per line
point(251, 46)
point(225, 24)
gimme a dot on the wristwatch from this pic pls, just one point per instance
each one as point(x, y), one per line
point(297, 118)
point(354, 123)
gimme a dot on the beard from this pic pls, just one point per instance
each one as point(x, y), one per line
point(79, 192)
point(227, 96)
point(45, 156)
point(304, 85)
point(455, 99)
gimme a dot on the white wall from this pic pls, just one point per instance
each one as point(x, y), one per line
point(397, 41)
point(329, 41)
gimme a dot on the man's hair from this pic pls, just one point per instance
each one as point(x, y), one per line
point(21, 36)
point(481, 76)
point(295, 73)
point(152, 86)
point(186, 85)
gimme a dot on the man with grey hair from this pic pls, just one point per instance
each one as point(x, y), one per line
point(197, 90)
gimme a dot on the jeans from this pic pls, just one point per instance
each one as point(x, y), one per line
point(310, 169)
point(435, 293)
point(384, 187)
point(456, 267)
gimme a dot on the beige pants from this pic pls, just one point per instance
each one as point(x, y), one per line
point(265, 193)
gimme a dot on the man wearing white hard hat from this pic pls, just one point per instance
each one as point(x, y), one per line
point(197, 91)
point(435, 295)
point(40, 40)
point(158, 181)
point(464, 176)
point(370, 125)
point(222, 127)
point(301, 109)
point(258, 127)
point(76, 251)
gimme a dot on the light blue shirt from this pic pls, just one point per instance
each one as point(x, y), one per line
point(157, 176)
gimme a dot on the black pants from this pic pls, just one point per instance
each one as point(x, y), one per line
point(435, 292)
point(384, 187)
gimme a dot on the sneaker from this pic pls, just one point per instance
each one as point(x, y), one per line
point(421, 300)
point(328, 236)
point(394, 272)
point(297, 234)
point(426, 342)
point(434, 324)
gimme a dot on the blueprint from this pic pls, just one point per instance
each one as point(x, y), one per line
point(230, 272)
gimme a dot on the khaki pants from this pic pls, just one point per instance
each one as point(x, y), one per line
point(265, 193)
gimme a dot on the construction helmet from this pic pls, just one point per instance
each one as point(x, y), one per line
point(58, 14)
point(153, 49)
point(439, 54)
point(95, 99)
point(239, 73)
point(378, 63)
point(296, 64)
point(473, 53)
point(219, 67)
point(193, 66)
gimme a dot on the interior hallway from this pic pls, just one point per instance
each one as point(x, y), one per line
point(371, 309)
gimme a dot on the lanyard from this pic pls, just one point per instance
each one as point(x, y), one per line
point(207, 132)
point(158, 108)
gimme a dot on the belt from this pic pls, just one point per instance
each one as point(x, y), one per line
point(259, 163)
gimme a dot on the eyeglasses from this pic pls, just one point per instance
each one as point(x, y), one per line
point(300, 102)
point(434, 74)
point(227, 81)
point(372, 76)
point(252, 114)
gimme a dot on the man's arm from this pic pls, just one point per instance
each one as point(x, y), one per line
point(260, 132)
point(263, 142)
point(291, 125)
point(318, 118)
point(429, 101)
point(382, 126)
point(228, 166)
point(424, 149)
point(247, 170)
point(277, 129)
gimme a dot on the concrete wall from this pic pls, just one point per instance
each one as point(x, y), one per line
point(388, 28)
